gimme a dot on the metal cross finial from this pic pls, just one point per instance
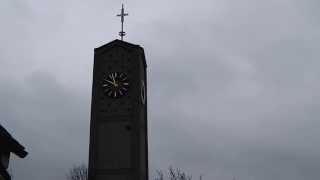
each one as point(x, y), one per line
point(122, 15)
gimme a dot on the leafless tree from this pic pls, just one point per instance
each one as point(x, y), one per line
point(173, 174)
point(159, 175)
point(78, 173)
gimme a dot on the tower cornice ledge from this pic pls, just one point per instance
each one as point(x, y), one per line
point(116, 42)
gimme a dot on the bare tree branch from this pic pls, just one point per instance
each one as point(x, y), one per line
point(173, 174)
point(78, 173)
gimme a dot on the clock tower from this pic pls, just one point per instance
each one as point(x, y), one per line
point(118, 127)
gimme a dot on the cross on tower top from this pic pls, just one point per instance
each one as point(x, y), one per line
point(122, 15)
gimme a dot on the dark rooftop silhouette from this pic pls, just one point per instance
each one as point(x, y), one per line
point(8, 143)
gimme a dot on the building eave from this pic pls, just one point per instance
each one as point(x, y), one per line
point(10, 144)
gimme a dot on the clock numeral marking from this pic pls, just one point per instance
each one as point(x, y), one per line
point(110, 92)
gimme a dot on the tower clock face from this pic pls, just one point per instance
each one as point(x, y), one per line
point(115, 84)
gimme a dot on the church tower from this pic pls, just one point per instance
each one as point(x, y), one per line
point(118, 127)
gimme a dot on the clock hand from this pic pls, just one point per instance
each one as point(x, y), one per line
point(110, 81)
point(114, 81)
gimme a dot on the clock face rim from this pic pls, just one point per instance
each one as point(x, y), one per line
point(143, 92)
point(111, 81)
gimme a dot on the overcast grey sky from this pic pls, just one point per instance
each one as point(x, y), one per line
point(233, 85)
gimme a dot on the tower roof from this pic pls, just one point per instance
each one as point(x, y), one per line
point(116, 42)
point(119, 43)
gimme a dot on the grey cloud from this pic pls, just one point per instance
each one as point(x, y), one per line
point(233, 85)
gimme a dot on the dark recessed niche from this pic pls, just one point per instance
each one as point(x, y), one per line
point(128, 127)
